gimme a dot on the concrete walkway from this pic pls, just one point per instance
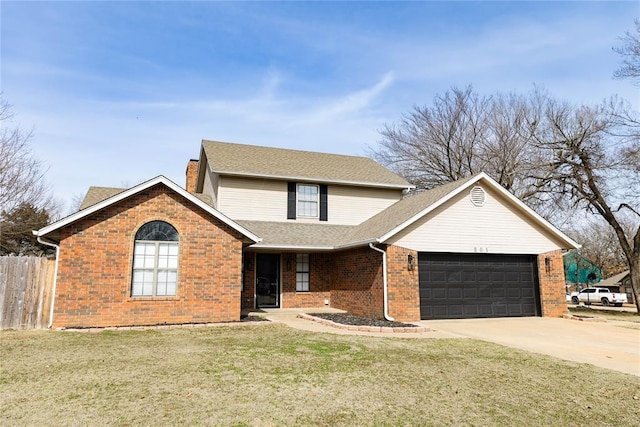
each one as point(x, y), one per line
point(610, 345)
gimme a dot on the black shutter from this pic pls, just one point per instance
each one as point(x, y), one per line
point(323, 203)
point(291, 200)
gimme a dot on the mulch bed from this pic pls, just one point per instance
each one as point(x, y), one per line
point(350, 319)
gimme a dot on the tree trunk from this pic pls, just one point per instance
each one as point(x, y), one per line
point(634, 275)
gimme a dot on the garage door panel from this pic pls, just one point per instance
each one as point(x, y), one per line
point(453, 294)
point(498, 293)
point(477, 285)
point(484, 292)
point(483, 276)
point(500, 310)
point(439, 293)
point(470, 293)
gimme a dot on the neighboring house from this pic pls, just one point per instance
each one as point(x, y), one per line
point(580, 272)
point(620, 282)
point(264, 227)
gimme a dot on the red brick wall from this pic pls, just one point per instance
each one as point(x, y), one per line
point(192, 176)
point(249, 279)
point(402, 285)
point(552, 289)
point(357, 282)
point(320, 267)
point(94, 272)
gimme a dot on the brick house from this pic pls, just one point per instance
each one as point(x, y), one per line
point(259, 227)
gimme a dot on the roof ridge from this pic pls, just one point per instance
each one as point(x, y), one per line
point(288, 149)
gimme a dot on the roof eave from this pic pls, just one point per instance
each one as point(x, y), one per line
point(543, 222)
point(292, 247)
point(136, 189)
point(398, 186)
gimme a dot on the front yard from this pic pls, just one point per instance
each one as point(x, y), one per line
point(268, 374)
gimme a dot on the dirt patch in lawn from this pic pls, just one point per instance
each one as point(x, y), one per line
point(269, 374)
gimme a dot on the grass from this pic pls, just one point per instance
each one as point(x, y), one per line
point(623, 316)
point(271, 375)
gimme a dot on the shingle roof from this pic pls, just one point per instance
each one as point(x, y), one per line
point(613, 280)
point(97, 194)
point(295, 234)
point(250, 160)
point(52, 231)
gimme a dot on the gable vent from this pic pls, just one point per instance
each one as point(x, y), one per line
point(478, 196)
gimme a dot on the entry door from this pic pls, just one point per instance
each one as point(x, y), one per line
point(268, 280)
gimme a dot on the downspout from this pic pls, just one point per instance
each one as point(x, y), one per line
point(384, 282)
point(55, 278)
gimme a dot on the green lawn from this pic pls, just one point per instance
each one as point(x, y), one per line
point(271, 375)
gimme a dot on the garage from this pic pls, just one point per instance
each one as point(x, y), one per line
point(458, 286)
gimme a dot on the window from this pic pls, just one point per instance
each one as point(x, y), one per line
point(308, 200)
point(302, 272)
point(155, 260)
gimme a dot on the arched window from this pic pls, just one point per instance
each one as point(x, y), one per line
point(155, 260)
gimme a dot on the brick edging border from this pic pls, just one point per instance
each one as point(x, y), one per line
point(383, 329)
point(159, 327)
point(584, 319)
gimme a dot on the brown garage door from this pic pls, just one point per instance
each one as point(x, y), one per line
point(458, 286)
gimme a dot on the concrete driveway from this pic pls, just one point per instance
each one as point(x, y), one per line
point(611, 345)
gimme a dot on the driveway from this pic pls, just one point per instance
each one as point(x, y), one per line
point(611, 345)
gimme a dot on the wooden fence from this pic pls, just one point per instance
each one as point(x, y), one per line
point(25, 291)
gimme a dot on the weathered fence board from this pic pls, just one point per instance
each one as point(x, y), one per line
point(25, 291)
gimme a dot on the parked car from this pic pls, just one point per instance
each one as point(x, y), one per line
point(599, 295)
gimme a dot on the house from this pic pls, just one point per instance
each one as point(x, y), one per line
point(620, 282)
point(259, 227)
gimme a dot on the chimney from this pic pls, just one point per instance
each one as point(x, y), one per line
point(192, 175)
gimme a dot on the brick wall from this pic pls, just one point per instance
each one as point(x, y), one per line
point(320, 267)
point(94, 272)
point(552, 289)
point(357, 284)
point(249, 280)
point(402, 285)
point(191, 175)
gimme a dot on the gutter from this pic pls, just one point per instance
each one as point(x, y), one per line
point(384, 282)
point(55, 277)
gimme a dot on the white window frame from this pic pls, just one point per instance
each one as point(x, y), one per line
point(156, 269)
point(300, 200)
point(303, 274)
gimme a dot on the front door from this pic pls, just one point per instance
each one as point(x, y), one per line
point(267, 280)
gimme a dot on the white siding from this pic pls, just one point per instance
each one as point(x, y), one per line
point(354, 205)
point(252, 199)
point(459, 226)
point(210, 185)
point(266, 200)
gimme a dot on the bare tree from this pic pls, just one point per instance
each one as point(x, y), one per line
point(21, 173)
point(590, 162)
point(437, 144)
point(464, 133)
point(600, 244)
point(630, 51)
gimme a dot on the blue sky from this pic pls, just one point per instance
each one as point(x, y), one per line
point(120, 92)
